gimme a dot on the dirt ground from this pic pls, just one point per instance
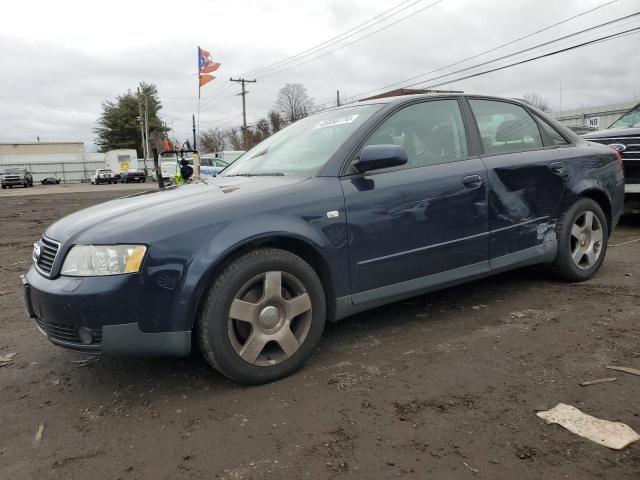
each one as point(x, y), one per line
point(443, 386)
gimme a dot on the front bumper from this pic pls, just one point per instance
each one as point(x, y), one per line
point(13, 182)
point(96, 315)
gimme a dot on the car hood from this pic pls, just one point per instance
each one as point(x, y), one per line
point(160, 213)
point(612, 133)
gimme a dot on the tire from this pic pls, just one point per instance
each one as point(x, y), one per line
point(274, 343)
point(4, 186)
point(583, 235)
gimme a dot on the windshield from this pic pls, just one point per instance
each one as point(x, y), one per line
point(303, 147)
point(628, 120)
point(14, 170)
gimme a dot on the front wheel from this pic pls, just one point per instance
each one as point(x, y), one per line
point(582, 234)
point(262, 317)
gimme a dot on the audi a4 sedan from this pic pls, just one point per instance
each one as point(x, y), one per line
point(348, 209)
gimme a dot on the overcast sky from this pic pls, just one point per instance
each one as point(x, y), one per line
point(59, 60)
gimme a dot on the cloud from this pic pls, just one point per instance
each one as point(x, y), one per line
point(75, 55)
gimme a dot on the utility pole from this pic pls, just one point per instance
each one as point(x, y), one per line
point(141, 118)
point(244, 107)
point(146, 128)
point(193, 123)
point(338, 97)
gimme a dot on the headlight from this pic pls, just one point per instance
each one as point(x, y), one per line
point(92, 260)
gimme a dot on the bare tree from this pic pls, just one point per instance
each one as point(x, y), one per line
point(212, 140)
point(234, 138)
point(262, 129)
point(293, 102)
point(537, 101)
point(275, 121)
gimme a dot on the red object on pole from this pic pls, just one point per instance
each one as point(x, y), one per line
point(204, 79)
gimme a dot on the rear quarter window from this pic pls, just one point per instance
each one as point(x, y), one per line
point(554, 136)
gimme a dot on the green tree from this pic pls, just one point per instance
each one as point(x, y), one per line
point(119, 125)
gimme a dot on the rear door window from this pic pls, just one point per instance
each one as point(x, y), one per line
point(505, 127)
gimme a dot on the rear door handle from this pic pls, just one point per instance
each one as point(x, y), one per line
point(472, 181)
point(556, 167)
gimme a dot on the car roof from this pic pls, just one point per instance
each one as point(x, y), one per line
point(399, 99)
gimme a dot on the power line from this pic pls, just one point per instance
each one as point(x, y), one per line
point(337, 38)
point(511, 42)
point(556, 52)
point(550, 42)
point(352, 42)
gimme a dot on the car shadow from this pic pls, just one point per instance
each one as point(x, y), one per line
point(166, 377)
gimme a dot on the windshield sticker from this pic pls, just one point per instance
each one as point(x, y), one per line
point(336, 121)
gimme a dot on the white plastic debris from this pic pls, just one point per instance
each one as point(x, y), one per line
point(614, 435)
point(6, 359)
point(632, 371)
point(39, 433)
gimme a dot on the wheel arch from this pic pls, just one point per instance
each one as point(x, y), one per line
point(305, 248)
point(602, 199)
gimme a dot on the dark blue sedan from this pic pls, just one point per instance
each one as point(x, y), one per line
point(342, 211)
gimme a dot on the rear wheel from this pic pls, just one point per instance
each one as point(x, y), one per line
point(263, 316)
point(582, 234)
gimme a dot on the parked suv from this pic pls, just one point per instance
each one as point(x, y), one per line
point(16, 176)
point(308, 227)
point(623, 135)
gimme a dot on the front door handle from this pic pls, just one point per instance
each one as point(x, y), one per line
point(472, 181)
point(557, 167)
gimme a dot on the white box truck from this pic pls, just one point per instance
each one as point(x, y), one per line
point(121, 160)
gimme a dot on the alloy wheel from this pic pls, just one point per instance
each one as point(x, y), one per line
point(586, 240)
point(269, 318)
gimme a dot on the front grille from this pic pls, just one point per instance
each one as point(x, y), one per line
point(67, 333)
point(630, 155)
point(48, 251)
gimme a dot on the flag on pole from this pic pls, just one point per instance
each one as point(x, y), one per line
point(204, 79)
point(205, 63)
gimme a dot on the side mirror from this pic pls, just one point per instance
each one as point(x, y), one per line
point(375, 157)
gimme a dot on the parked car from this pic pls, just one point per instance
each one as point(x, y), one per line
point(623, 135)
point(211, 166)
point(12, 177)
point(251, 264)
point(133, 175)
point(103, 175)
point(50, 181)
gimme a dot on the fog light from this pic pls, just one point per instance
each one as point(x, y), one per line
point(85, 335)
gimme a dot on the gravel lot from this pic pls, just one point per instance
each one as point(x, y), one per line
point(443, 386)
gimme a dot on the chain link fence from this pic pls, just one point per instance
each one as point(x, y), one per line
point(67, 172)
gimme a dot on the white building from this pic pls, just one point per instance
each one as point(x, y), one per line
point(599, 117)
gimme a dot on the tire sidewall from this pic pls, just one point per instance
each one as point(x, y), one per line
point(214, 317)
point(564, 260)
